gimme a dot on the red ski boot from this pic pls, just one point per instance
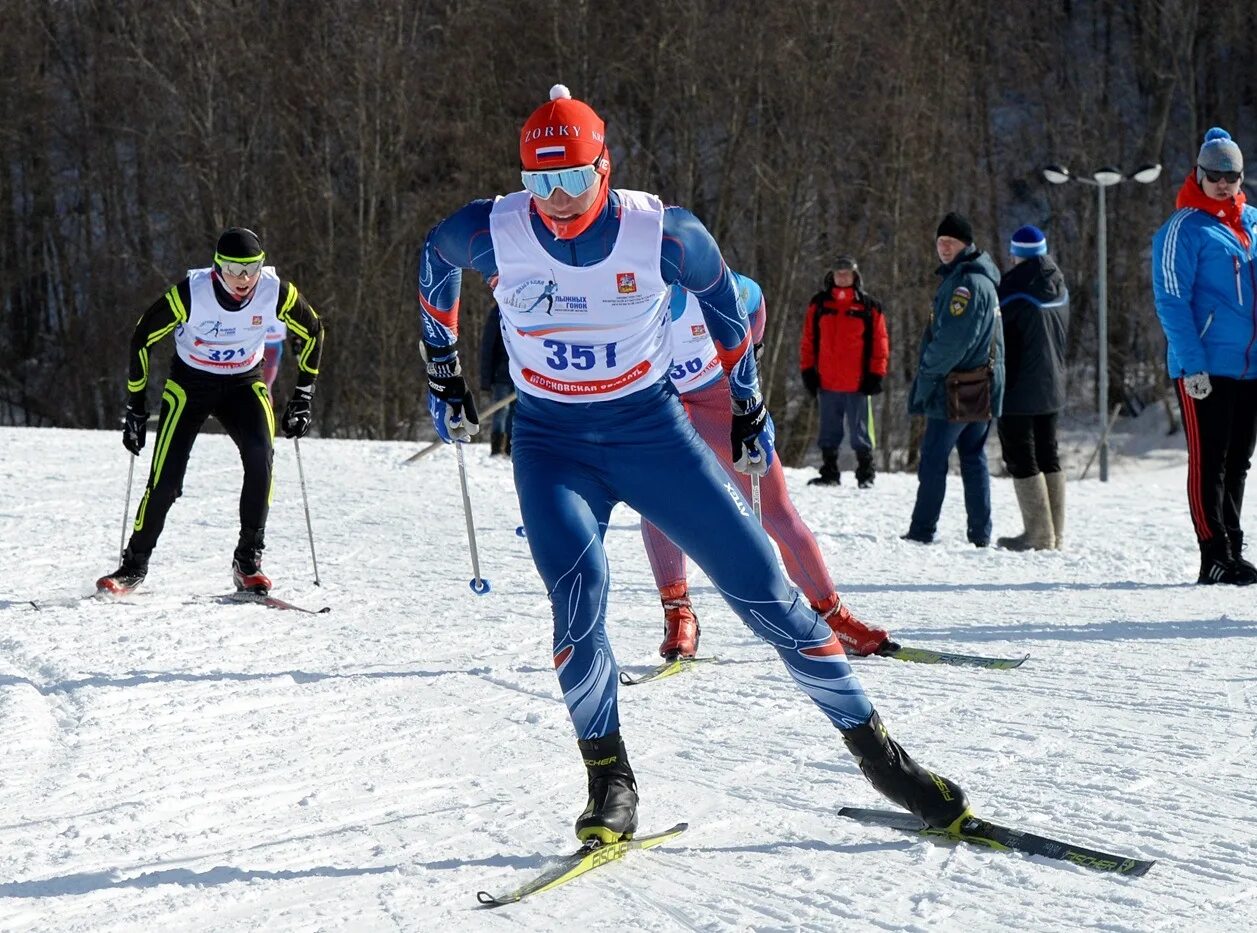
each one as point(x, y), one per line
point(856, 637)
point(680, 625)
point(127, 577)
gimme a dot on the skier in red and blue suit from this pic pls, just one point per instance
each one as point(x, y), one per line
point(700, 380)
point(581, 274)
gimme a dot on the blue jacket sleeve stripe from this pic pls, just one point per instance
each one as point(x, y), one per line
point(1169, 252)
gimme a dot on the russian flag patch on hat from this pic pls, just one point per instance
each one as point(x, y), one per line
point(545, 153)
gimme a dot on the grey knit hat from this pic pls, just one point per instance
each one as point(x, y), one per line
point(1220, 153)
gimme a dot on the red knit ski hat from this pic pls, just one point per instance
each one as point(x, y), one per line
point(562, 133)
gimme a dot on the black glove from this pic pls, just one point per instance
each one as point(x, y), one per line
point(134, 425)
point(297, 415)
point(450, 402)
point(752, 436)
point(811, 381)
point(871, 384)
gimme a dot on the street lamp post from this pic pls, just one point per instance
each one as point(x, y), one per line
point(1101, 179)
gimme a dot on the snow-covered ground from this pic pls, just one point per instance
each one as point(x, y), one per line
point(175, 763)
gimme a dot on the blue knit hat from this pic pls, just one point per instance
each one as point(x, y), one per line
point(1028, 241)
point(1220, 153)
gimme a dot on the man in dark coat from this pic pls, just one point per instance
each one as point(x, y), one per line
point(1035, 306)
point(964, 334)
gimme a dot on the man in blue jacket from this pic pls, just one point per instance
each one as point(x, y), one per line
point(1204, 282)
point(964, 334)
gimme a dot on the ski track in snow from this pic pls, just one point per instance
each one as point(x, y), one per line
point(171, 762)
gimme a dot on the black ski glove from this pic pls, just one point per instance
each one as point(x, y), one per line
point(298, 414)
point(871, 384)
point(811, 381)
point(451, 404)
point(135, 425)
point(752, 436)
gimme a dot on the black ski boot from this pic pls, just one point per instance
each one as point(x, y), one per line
point(890, 769)
point(611, 814)
point(1216, 565)
point(864, 472)
point(246, 563)
point(829, 469)
point(128, 576)
point(1244, 569)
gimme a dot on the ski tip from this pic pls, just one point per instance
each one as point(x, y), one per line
point(488, 900)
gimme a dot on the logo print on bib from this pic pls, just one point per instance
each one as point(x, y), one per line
point(532, 295)
point(257, 320)
point(626, 283)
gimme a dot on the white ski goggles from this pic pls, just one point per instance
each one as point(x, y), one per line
point(238, 267)
point(575, 181)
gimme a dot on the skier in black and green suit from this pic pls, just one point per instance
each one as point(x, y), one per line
point(219, 317)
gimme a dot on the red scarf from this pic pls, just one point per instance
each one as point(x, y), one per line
point(1228, 211)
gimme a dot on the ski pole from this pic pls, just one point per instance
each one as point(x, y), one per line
point(478, 584)
point(755, 505)
point(126, 510)
point(296, 443)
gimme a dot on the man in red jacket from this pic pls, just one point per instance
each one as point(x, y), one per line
point(843, 353)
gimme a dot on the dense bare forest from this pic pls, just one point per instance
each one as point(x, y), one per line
point(132, 131)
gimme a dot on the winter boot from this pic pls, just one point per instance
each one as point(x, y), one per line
point(1216, 565)
point(246, 564)
point(829, 469)
point(127, 577)
point(1243, 568)
point(1056, 500)
point(497, 444)
point(864, 472)
point(611, 814)
point(1036, 512)
point(932, 797)
point(680, 624)
point(856, 637)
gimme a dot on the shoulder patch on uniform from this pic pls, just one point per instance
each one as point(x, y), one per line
point(959, 301)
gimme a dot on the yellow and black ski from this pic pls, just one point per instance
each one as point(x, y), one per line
point(1004, 838)
point(593, 854)
point(666, 669)
point(926, 656)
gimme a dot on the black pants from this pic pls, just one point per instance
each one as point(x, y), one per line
point(242, 406)
point(1220, 432)
point(1029, 444)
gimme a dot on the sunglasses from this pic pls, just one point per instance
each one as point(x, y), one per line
point(1229, 177)
point(575, 181)
point(238, 267)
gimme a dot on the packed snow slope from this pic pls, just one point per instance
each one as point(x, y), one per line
point(173, 762)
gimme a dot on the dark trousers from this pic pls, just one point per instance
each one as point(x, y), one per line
point(854, 409)
point(1029, 444)
point(242, 406)
point(1220, 431)
point(969, 441)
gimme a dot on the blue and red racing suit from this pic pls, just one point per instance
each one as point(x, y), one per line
point(598, 422)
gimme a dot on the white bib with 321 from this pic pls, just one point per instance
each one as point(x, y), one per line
point(215, 339)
